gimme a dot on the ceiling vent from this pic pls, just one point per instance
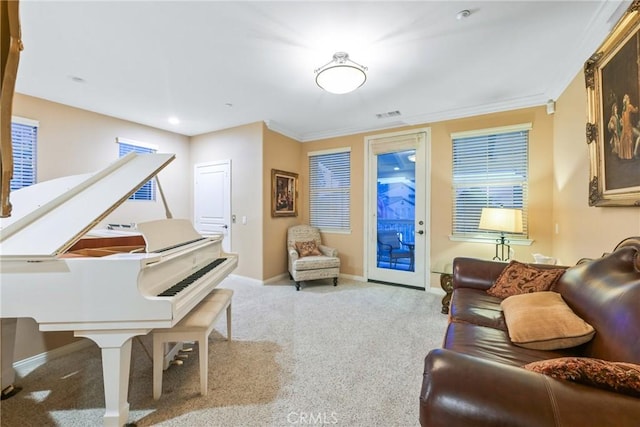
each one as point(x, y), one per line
point(389, 114)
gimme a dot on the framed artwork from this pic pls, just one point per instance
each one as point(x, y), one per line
point(612, 77)
point(284, 193)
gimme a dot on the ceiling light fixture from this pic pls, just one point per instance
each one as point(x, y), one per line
point(174, 120)
point(341, 75)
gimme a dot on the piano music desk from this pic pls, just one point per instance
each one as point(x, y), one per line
point(195, 326)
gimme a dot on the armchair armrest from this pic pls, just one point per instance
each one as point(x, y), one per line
point(293, 253)
point(462, 390)
point(327, 251)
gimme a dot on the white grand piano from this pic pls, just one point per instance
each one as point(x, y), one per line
point(107, 290)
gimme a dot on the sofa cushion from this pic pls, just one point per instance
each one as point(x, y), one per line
point(619, 377)
point(308, 248)
point(518, 278)
point(475, 306)
point(543, 321)
point(494, 344)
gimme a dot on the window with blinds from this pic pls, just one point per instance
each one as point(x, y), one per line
point(490, 169)
point(148, 190)
point(330, 190)
point(24, 138)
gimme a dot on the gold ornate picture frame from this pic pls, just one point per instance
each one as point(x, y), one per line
point(284, 193)
point(612, 77)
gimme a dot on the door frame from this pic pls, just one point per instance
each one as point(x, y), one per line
point(370, 223)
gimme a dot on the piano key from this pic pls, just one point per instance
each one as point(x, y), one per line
point(181, 285)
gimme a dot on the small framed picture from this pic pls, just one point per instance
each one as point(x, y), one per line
point(284, 193)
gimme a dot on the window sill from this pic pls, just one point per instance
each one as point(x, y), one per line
point(512, 241)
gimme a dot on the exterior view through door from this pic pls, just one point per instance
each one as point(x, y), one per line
point(396, 199)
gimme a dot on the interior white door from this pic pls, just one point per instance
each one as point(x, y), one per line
point(212, 200)
point(397, 216)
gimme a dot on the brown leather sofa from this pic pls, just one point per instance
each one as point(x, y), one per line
point(477, 378)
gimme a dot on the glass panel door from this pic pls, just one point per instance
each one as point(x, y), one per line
point(397, 221)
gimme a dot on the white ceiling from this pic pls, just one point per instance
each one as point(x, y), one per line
point(146, 61)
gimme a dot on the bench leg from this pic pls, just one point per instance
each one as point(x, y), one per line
point(229, 322)
point(203, 347)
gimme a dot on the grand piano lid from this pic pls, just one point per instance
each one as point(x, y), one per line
point(51, 216)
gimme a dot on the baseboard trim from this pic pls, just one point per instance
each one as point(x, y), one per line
point(25, 366)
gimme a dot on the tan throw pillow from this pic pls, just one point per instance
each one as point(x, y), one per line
point(543, 321)
point(307, 248)
point(619, 377)
point(518, 278)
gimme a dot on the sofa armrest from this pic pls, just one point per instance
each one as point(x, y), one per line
point(462, 390)
point(475, 273)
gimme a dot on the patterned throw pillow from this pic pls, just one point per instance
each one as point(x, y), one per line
point(518, 278)
point(307, 248)
point(619, 377)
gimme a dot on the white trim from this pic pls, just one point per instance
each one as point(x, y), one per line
point(351, 277)
point(491, 131)
point(24, 121)
point(137, 143)
point(492, 240)
point(25, 366)
point(334, 231)
point(246, 279)
point(276, 279)
point(330, 151)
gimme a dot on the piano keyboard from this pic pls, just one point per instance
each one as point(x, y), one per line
point(181, 285)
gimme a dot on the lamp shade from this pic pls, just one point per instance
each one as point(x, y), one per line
point(341, 79)
point(501, 219)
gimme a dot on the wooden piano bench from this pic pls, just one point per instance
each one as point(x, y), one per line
point(195, 326)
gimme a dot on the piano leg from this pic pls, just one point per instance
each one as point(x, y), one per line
point(116, 361)
point(7, 340)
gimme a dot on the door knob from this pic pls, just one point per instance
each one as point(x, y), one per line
point(420, 232)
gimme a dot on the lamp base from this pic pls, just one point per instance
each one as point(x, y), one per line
point(502, 246)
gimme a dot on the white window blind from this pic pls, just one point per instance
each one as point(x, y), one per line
point(148, 190)
point(24, 138)
point(330, 190)
point(490, 169)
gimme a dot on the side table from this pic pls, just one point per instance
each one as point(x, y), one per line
point(446, 283)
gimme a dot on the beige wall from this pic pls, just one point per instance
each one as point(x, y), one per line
point(583, 231)
point(443, 250)
point(73, 141)
point(243, 146)
point(282, 153)
point(350, 246)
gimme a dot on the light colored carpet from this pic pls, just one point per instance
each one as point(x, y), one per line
point(350, 355)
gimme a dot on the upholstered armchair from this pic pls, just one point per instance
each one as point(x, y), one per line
point(309, 259)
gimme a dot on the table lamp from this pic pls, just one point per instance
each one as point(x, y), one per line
point(504, 220)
